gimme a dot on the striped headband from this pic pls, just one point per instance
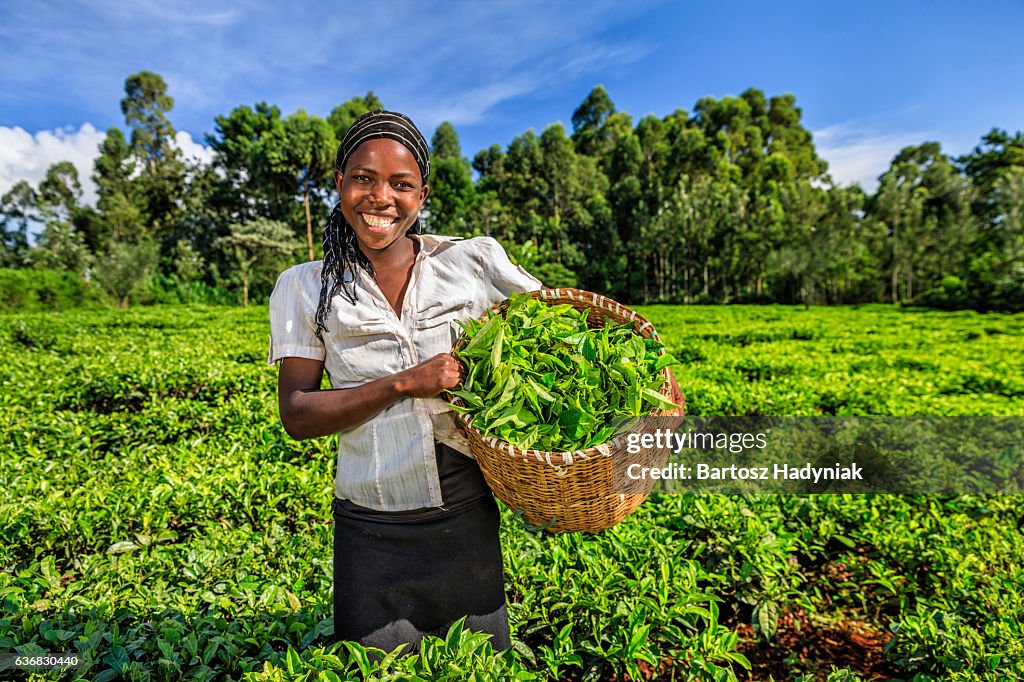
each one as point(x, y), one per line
point(380, 124)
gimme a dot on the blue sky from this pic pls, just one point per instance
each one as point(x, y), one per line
point(870, 77)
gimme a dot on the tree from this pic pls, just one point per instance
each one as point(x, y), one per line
point(187, 266)
point(784, 134)
point(997, 154)
point(145, 106)
point(60, 189)
point(344, 115)
point(254, 241)
point(123, 266)
point(629, 212)
point(451, 185)
point(60, 244)
point(247, 187)
point(925, 203)
point(122, 218)
point(301, 154)
point(523, 187)
point(573, 210)
point(996, 273)
point(161, 183)
point(588, 123)
point(19, 208)
point(61, 247)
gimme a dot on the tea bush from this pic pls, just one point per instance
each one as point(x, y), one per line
point(157, 521)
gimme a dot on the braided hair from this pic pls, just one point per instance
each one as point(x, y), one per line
point(341, 251)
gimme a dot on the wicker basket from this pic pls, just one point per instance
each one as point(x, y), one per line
point(569, 491)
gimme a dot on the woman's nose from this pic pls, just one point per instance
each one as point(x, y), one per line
point(380, 193)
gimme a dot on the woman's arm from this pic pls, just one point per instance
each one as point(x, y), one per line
point(308, 412)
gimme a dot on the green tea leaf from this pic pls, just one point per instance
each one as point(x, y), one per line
point(542, 378)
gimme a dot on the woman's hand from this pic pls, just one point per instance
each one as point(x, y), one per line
point(677, 395)
point(430, 377)
point(308, 412)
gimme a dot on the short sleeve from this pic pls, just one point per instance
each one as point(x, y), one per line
point(503, 278)
point(292, 321)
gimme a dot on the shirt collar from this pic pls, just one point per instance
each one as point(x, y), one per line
point(430, 242)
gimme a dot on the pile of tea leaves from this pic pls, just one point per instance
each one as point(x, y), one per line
point(541, 378)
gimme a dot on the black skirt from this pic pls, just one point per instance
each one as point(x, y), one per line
point(400, 577)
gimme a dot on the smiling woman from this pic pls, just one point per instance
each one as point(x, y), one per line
point(416, 528)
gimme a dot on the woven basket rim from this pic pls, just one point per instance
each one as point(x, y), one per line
point(560, 459)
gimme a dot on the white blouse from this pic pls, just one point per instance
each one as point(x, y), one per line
point(387, 463)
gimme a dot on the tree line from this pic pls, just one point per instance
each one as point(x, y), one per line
point(727, 203)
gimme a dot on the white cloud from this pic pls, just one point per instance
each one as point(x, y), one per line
point(859, 155)
point(470, 105)
point(24, 156)
point(191, 150)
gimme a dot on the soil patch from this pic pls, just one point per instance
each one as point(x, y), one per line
point(801, 647)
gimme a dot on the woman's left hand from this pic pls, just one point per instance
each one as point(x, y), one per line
point(677, 395)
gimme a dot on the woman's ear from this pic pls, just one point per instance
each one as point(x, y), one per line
point(338, 175)
point(423, 194)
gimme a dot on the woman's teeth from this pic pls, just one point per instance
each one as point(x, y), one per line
point(377, 221)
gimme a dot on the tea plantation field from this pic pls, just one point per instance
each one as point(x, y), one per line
point(156, 520)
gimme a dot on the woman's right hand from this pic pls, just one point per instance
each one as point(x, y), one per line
point(430, 377)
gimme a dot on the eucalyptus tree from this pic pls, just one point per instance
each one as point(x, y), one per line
point(995, 155)
point(999, 270)
point(588, 123)
point(61, 245)
point(629, 216)
point(524, 188)
point(301, 155)
point(925, 203)
point(19, 210)
point(345, 114)
point(574, 210)
point(247, 188)
point(122, 215)
point(451, 200)
point(994, 168)
point(162, 173)
point(493, 216)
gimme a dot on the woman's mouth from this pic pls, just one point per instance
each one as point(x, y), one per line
point(378, 221)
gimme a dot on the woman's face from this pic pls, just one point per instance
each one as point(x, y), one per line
point(381, 192)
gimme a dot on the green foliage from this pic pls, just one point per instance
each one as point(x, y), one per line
point(450, 204)
point(37, 289)
point(539, 376)
point(540, 264)
point(728, 202)
point(873, 360)
point(124, 267)
point(344, 115)
point(461, 655)
point(18, 210)
point(145, 107)
point(161, 183)
point(301, 154)
point(589, 120)
point(253, 245)
point(158, 521)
